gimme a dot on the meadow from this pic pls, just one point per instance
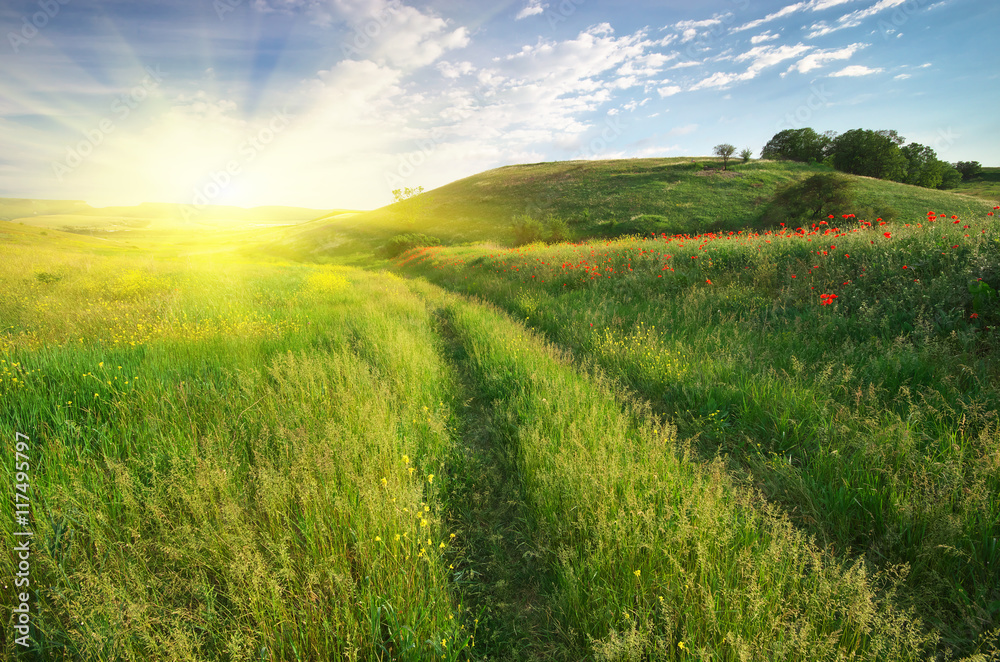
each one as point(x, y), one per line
point(847, 370)
point(740, 444)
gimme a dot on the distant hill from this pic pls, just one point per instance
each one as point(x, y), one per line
point(78, 216)
point(602, 198)
point(985, 185)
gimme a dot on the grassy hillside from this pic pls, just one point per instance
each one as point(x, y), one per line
point(230, 460)
point(985, 185)
point(749, 444)
point(603, 198)
point(849, 371)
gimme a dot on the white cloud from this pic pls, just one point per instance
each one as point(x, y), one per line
point(784, 11)
point(765, 36)
point(533, 8)
point(540, 94)
point(812, 5)
point(816, 59)
point(901, 76)
point(766, 56)
point(449, 70)
point(645, 65)
point(707, 23)
point(356, 83)
point(691, 29)
point(820, 5)
point(384, 31)
point(720, 79)
point(633, 104)
point(668, 90)
point(857, 70)
point(761, 57)
point(853, 19)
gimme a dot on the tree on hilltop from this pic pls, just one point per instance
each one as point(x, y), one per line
point(968, 169)
point(870, 153)
point(803, 145)
point(725, 150)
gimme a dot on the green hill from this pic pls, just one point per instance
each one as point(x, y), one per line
point(603, 198)
point(985, 185)
point(80, 217)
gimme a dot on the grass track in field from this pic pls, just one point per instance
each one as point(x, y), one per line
point(229, 489)
point(873, 420)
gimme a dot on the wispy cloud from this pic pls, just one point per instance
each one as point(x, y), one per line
point(760, 57)
point(533, 8)
point(851, 20)
point(857, 70)
point(765, 36)
point(816, 59)
point(788, 10)
point(690, 30)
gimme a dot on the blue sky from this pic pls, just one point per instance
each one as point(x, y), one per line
point(334, 103)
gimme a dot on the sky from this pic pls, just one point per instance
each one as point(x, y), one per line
point(336, 103)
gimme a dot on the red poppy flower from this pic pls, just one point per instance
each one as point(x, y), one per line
point(887, 235)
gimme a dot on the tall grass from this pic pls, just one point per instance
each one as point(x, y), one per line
point(245, 462)
point(657, 556)
point(871, 420)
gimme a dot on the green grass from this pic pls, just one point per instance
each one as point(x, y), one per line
point(600, 199)
point(591, 451)
point(228, 462)
point(872, 421)
point(655, 556)
point(985, 185)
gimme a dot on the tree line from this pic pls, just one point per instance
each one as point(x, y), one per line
point(880, 154)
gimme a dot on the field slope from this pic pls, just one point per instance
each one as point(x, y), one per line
point(848, 370)
point(603, 198)
point(744, 441)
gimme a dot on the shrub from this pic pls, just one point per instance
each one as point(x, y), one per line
point(803, 145)
point(811, 198)
point(644, 225)
point(404, 242)
point(558, 230)
point(527, 230)
point(968, 169)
